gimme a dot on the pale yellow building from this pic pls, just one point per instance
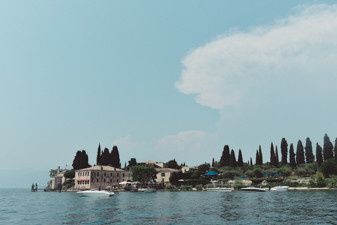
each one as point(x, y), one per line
point(164, 174)
point(100, 177)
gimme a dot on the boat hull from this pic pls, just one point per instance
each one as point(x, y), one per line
point(219, 189)
point(93, 193)
point(253, 189)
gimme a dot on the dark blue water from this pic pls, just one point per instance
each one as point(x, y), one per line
point(20, 206)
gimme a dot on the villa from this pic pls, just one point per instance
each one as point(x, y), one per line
point(100, 177)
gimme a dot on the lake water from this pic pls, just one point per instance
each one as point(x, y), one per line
point(20, 206)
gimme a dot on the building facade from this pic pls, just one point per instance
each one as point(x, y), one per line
point(100, 177)
point(164, 174)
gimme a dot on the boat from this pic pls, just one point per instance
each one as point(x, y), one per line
point(146, 190)
point(96, 193)
point(220, 189)
point(280, 188)
point(254, 189)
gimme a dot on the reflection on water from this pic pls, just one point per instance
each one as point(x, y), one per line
point(23, 207)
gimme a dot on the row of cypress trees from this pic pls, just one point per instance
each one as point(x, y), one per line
point(302, 154)
point(105, 158)
point(228, 158)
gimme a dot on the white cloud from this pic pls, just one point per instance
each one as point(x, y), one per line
point(182, 139)
point(228, 70)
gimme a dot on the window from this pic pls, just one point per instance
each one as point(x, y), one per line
point(162, 174)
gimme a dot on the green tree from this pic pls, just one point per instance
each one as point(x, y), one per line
point(300, 153)
point(98, 156)
point(70, 174)
point(277, 161)
point(335, 149)
point(105, 157)
point(309, 155)
point(240, 159)
point(172, 164)
point(272, 154)
point(327, 148)
point(115, 160)
point(132, 162)
point(80, 160)
point(233, 159)
point(284, 151)
point(292, 160)
point(329, 167)
point(319, 156)
point(52, 173)
point(225, 158)
point(143, 174)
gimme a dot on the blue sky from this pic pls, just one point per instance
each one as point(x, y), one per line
point(175, 79)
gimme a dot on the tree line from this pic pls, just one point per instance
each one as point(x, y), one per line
point(302, 154)
point(104, 158)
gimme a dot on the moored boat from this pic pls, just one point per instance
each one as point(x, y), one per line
point(253, 189)
point(280, 188)
point(95, 193)
point(146, 190)
point(220, 189)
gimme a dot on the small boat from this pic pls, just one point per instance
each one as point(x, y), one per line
point(280, 188)
point(254, 189)
point(220, 189)
point(95, 193)
point(146, 190)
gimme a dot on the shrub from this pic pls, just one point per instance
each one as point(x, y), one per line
point(329, 167)
point(285, 171)
point(318, 180)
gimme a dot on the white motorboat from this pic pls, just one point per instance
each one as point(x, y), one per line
point(280, 188)
point(146, 190)
point(95, 193)
point(254, 189)
point(220, 189)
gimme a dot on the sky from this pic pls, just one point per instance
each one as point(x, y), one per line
point(161, 79)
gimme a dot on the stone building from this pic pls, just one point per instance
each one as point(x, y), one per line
point(100, 177)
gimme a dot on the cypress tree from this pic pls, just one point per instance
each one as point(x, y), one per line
point(284, 151)
point(309, 155)
point(276, 157)
point(335, 149)
point(105, 159)
point(292, 160)
point(251, 161)
point(327, 148)
point(319, 156)
point(257, 158)
point(260, 156)
point(213, 164)
point(299, 153)
point(225, 158)
point(240, 159)
point(76, 161)
point(272, 155)
point(115, 161)
point(232, 159)
point(99, 155)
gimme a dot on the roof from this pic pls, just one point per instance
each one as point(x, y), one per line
point(167, 170)
point(104, 168)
